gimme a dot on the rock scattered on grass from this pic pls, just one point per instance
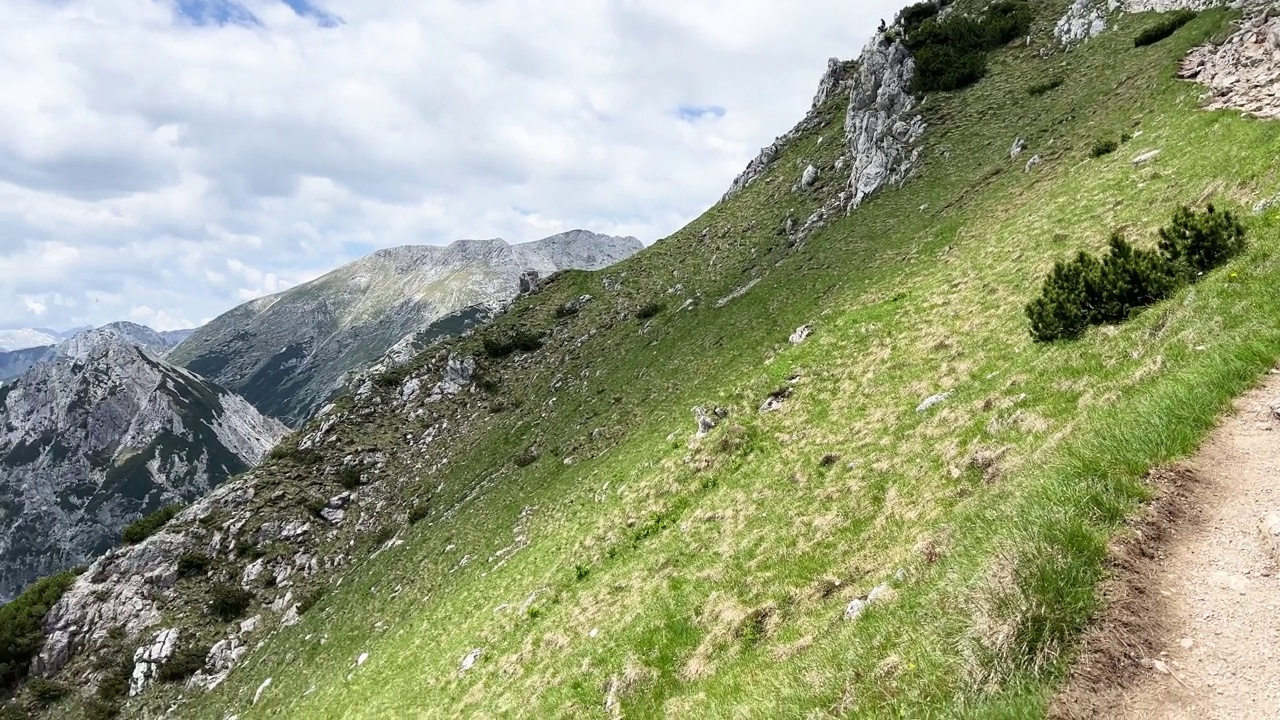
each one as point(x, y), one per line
point(929, 402)
point(469, 661)
point(1145, 157)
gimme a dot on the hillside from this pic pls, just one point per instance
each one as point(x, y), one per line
point(800, 459)
point(101, 433)
point(288, 354)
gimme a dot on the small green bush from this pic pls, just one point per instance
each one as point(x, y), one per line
point(520, 340)
point(13, 711)
point(45, 692)
point(581, 571)
point(1086, 291)
point(186, 661)
point(912, 16)
point(1199, 242)
point(139, 530)
point(951, 53)
point(349, 477)
point(314, 505)
point(194, 564)
point(419, 512)
point(1164, 28)
point(1041, 88)
point(1102, 147)
point(1130, 278)
point(649, 310)
point(308, 599)
point(526, 458)
point(287, 451)
point(228, 602)
point(22, 626)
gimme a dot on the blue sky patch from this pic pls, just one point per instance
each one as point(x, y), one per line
point(694, 113)
point(216, 12)
point(230, 12)
point(305, 9)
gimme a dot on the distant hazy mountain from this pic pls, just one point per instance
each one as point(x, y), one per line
point(16, 362)
point(102, 431)
point(288, 353)
point(25, 338)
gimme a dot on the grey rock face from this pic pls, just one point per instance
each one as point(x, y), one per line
point(1035, 162)
point(1018, 146)
point(27, 338)
point(1085, 19)
point(148, 659)
point(1242, 73)
point(834, 81)
point(100, 435)
point(881, 128)
point(288, 354)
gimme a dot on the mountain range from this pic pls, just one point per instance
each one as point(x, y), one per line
point(30, 346)
point(802, 458)
point(288, 354)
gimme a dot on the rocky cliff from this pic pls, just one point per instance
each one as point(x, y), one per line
point(288, 354)
point(101, 433)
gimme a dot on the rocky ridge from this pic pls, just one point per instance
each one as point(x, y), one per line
point(289, 354)
point(882, 129)
point(102, 433)
point(130, 590)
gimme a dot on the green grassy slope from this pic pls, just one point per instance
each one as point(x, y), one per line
point(650, 575)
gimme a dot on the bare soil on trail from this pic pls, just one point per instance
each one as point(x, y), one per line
point(1191, 625)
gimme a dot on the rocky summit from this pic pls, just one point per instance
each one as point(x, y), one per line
point(288, 354)
point(99, 434)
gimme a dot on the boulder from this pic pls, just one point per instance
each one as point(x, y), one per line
point(148, 659)
point(1085, 19)
point(809, 177)
point(932, 400)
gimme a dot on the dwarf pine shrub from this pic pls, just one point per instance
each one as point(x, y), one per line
point(1197, 242)
point(148, 525)
point(1087, 291)
point(1164, 28)
point(951, 52)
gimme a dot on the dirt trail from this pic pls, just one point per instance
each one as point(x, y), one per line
point(1210, 586)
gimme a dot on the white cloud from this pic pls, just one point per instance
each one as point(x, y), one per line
point(142, 153)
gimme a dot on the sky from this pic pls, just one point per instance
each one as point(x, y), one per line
point(162, 161)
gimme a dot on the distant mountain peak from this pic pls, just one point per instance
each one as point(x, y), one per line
point(288, 353)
